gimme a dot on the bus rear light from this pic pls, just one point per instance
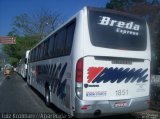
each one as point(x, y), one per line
point(79, 70)
point(79, 78)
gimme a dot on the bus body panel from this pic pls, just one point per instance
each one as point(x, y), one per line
point(115, 78)
point(57, 74)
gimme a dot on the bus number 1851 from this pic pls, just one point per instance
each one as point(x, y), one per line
point(121, 92)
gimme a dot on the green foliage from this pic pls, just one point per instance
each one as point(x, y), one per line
point(29, 29)
point(13, 61)
point(38, 24)
point(123, 5)
point(17, 51)
point(116, 4)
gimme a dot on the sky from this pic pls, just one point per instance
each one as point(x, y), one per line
point(11, 8)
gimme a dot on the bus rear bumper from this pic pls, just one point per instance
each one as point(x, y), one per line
point(88, 109)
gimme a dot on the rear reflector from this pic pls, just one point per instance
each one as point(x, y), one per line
point(85, 107)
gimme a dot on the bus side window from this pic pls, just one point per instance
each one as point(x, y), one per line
point(64, 36)
point(56, 45)
point(69, 39)
point(51, 46)
point(39, 48)
point(60, 42)
point(46, 51)
point(33, 55)
point(30, 59)
point(43, 51)
point(36, 53)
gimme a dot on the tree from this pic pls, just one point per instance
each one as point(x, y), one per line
point(38, 24)
point(123, 5)
point(17, 51)
point(28, 30)
point(148, 10)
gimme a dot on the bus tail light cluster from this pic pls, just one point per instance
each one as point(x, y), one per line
point(79, 78)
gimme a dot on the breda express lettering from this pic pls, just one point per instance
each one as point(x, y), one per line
point(122, 27)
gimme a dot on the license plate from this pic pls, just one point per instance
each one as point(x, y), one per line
point(120, 104)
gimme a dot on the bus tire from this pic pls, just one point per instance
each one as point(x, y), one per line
point(47, 98)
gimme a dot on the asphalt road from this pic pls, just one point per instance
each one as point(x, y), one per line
point(16, 97)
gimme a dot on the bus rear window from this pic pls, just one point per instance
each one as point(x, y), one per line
point(111, 30)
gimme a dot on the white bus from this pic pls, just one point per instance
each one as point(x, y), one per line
point(96, 64)
point(26, 64)
point(23, 65)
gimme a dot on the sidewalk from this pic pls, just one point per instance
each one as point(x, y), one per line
point(148, 114)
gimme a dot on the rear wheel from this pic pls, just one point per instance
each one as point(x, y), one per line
point(47, 98)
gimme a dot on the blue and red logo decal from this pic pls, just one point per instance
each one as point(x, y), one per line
point(116, 75)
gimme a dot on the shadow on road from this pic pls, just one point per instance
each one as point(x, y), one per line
point(7, 77)
point(53, 107)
